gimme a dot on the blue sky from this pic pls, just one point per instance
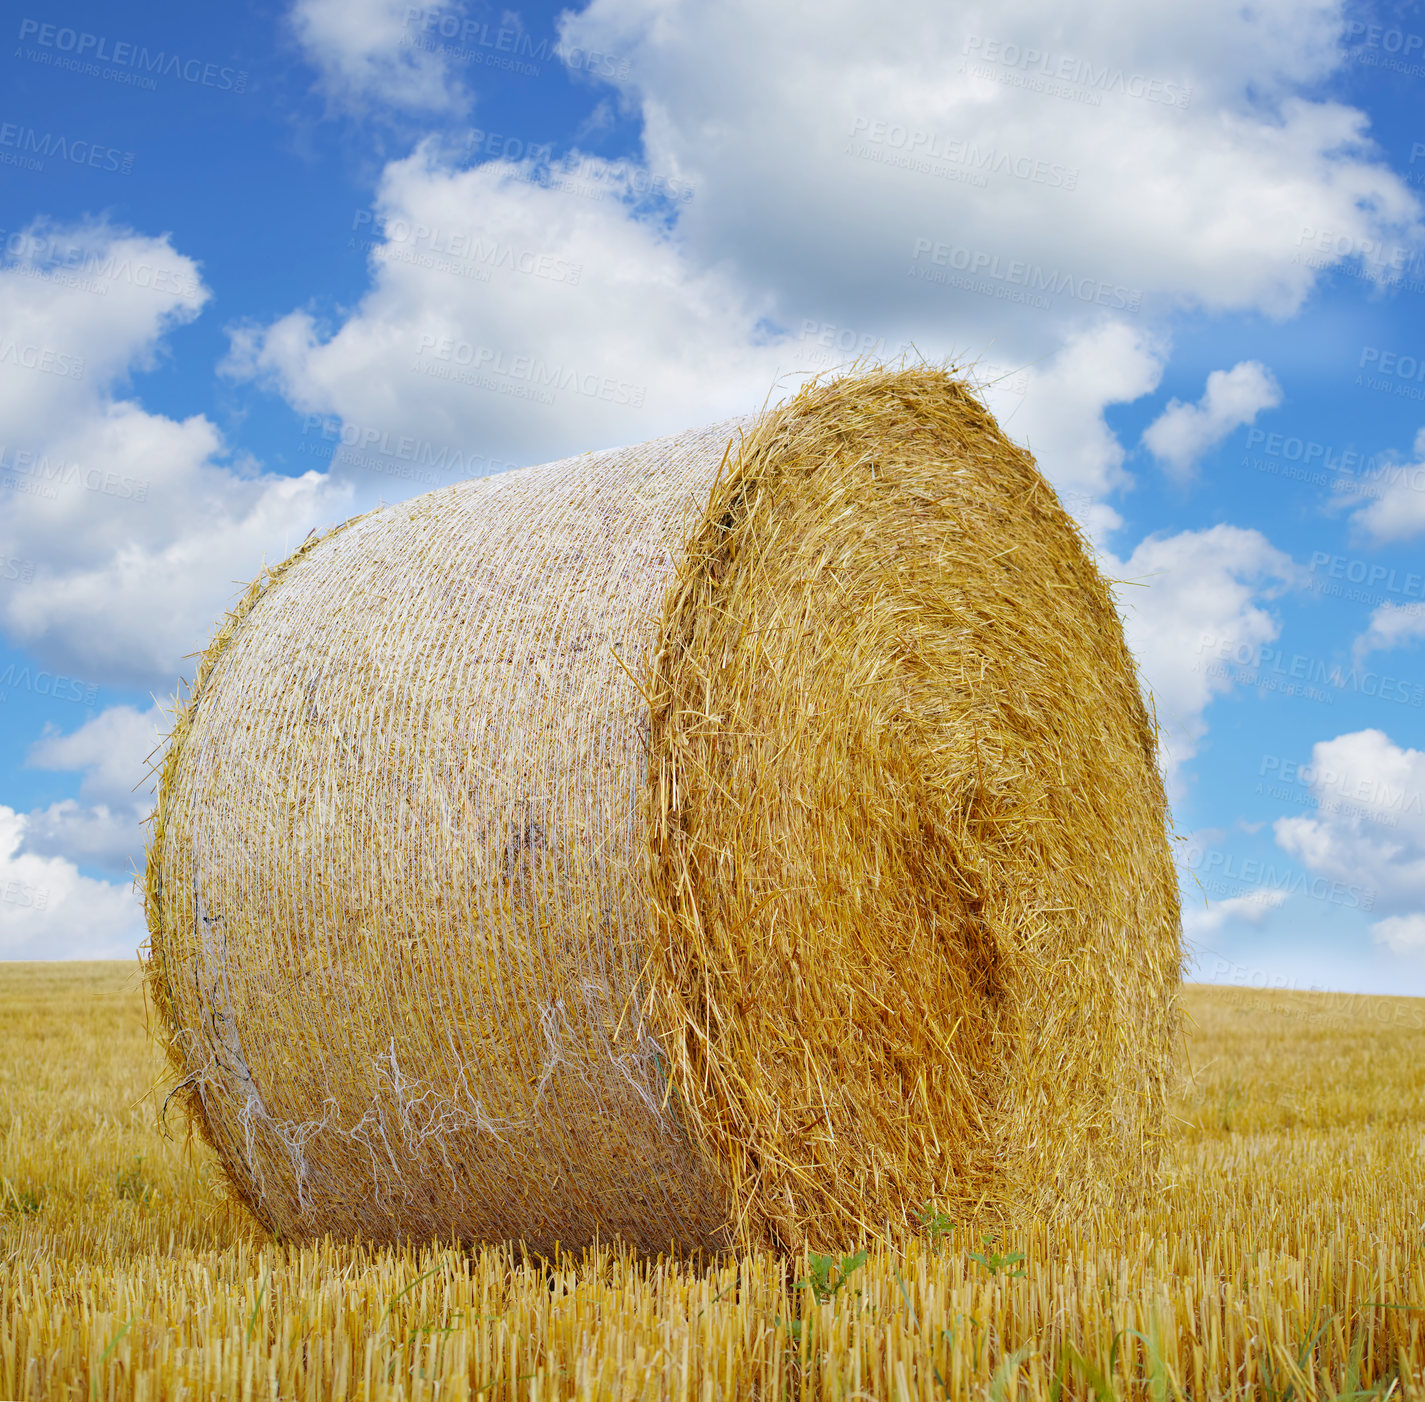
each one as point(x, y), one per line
point(1185, 252)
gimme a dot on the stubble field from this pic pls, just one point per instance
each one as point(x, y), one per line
point(1284, 1258)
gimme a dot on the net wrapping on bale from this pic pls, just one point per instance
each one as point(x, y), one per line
point(744, 837)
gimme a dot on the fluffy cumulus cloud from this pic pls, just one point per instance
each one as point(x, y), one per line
point(915, 184)
point(377, 54)
point(102, 827)
point(1392, 626)
point(130, 526)
point(48, 910)
point(1401, 934)
point(1191, 602)
point(516, 318)
point(1369, 828)
point(969, 150)
point(1060, 416)
point(1394, 511)
point(1182, 433)
point(1201, 919)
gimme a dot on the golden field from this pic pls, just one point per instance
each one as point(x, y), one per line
point(1284, 1258)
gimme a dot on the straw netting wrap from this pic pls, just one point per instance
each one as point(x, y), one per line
point(746, 837)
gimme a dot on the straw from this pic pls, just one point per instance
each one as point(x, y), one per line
point(745, 837)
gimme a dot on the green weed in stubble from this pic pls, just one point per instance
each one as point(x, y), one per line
point(996, 1262)
point(936, 1224)
point(826, 1277)
point(104, 1357)
point(20, 1202)
point(1227, 1106)
point(130, 1183)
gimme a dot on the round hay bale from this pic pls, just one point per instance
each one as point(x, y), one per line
point(743, 838)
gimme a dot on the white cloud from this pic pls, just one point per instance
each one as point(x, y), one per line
point(1202, 602)
point(49, 911)
point(1401, 934)
point(1369, 831)
point(133, 528)
point(110, 749)
point(113, 752)
point(1391, 626)
point(561, 324)
point(89, 834)
point(1251, 908)
point(768, 123)
point(368, 52)
point(818, 148)
point(1395, 510)
point(1061, 420)
point(1182, 433)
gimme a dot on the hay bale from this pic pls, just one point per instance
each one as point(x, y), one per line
point(745, 837)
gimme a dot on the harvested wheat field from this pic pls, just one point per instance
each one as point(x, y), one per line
point(1284, 1256)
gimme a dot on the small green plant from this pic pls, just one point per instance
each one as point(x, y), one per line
point(1228, 1103)
point(936, 1224)
point(256, 1310)
point(825, 1278)
point(995, 1261)
point(1305, 1352)
point(21, 1202)
point(131, 1184)
point(826, 1275)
